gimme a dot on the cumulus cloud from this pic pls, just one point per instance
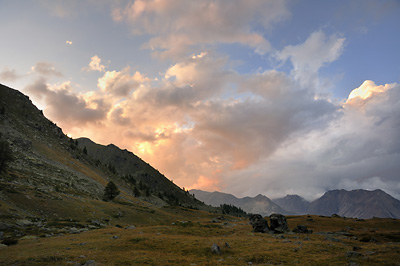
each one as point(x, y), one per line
point(120, 83)
point(8, 74)
point(95, 65)
point(358, 149)
point(45, 69)
point(179, 25)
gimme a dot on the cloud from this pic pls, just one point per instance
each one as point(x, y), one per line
point(45, 69)
point(120, 83)
point(308, 57)
point(367, 90)
point(179, 25)
point(63, 105)
point(358, 149)
point(9, 74)
point(68, 42)
point(95, 65)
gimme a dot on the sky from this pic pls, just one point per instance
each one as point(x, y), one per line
point(241, 96)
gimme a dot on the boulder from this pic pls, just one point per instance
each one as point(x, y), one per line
point(278, 223)
point(215, 249)
point(130, 227)
point(260, 225)
point(302, 229)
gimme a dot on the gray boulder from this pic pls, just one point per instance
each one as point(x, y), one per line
point(278, 223)
point(259, 224)
point(215, 249)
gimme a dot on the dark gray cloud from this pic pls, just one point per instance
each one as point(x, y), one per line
point(65, 106)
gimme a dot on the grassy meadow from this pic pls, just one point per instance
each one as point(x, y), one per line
point(188, 241)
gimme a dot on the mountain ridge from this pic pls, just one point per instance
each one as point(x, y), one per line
point(358, 203)
point(259, 204)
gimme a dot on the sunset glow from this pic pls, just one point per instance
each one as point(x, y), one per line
point(249, 97)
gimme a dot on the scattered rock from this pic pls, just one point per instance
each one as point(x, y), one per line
point(335, 215)
point(3, 246)
point(227, 245)
point(260, 225)
point(28, 237)
point(115, 237)
point(90, 263)
point(215, 249)
point(302, 229)
point(356, 248)
point(130, 227)
point(329, 238)
point(354, 254)
point(73, 230)
point(24, 222)
point(278, 223)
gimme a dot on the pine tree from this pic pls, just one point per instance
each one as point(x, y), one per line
point(110, 192)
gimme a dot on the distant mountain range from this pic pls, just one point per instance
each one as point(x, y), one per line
point(259, 204)
point(355, 203)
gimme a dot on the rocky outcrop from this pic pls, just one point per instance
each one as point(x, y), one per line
point(260, 225)
point(278, 223)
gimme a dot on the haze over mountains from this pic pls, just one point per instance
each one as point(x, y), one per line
point(355, 203)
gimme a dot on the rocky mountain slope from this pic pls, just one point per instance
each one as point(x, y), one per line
point(52, 177)
point(356, 203)
point(293, 203)
point(259, 204)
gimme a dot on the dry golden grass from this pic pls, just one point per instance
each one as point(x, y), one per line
point(188, 243)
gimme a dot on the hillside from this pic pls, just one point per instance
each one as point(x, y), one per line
point(51, 177)
point(356, 203)
point(132, 168)
point(259, 204)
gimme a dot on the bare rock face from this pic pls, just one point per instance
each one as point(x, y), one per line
point(278, 223)
point(260, 225)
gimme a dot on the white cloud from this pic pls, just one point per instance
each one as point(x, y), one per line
point(308, 57)
point(95, 65)
point(68, 42)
